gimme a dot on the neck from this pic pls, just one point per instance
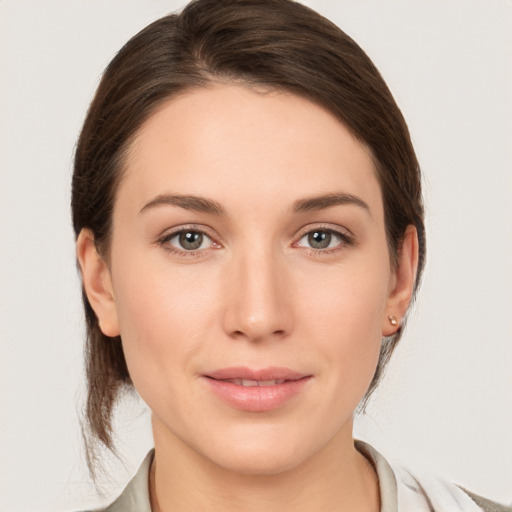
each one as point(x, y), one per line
point(338, 478)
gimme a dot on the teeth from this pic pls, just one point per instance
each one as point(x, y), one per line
point(252, 383)
point(249, 383)
point(270, 382)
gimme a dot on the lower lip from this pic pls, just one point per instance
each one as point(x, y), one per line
point(257, 398)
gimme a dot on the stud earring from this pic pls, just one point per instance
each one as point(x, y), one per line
point(393, 320)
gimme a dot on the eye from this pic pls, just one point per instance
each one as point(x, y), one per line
point(188, 240)
point(321, 239)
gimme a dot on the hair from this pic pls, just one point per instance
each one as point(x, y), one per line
point(276, 44)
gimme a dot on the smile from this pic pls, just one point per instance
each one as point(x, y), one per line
point(251, 390)
point(251, 383)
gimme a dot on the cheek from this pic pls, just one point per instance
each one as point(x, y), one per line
point(163, 316)
point(343, 312)
point(346, 299)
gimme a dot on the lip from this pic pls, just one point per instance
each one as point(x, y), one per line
point(261, 397)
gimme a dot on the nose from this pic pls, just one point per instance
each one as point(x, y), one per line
point(258, 298)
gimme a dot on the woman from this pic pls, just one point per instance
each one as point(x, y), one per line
point(249, 222)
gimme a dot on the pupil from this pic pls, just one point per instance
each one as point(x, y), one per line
point(191, 240)
point(319, 239)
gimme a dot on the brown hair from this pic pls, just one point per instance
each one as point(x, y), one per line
point(277, 44)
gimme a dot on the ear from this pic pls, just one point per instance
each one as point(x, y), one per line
point(402, 282)
point(97, 283)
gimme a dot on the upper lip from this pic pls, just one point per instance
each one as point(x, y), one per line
point(263, 374)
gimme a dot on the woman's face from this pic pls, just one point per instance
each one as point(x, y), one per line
point(250, 276)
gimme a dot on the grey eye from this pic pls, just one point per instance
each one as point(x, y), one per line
point(190, 240)
point(320, 239)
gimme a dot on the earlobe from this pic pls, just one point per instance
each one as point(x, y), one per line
point(403, 283)
point(97, 283)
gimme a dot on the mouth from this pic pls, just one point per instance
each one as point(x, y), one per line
point(244, 376)
point(256, 390)
point(252, 383)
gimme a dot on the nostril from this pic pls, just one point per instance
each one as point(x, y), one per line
point(258, 314)
point(280, 333)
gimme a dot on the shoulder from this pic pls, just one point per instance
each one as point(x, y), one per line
point(135, 496)
point(487, 505)
point(405, 490)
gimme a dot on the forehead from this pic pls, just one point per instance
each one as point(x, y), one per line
point(230, 141)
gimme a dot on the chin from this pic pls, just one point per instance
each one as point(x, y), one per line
point(261, 451)
point(258, 461)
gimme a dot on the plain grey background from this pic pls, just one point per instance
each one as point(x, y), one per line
point(446, 404)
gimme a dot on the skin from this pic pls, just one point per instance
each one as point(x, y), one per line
point(256, 294)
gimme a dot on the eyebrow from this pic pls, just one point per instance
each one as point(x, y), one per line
point(327, 201)
point(203, 205)
point(194, 203)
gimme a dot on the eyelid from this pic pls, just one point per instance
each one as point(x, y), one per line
point(200, 228)
point(346, 236)
point(169, 234)
point(333, 228)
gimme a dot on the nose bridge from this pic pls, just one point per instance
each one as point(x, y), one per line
point(258, 305)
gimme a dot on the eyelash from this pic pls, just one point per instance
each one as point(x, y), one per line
point(344, 240)
point(164, 241)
